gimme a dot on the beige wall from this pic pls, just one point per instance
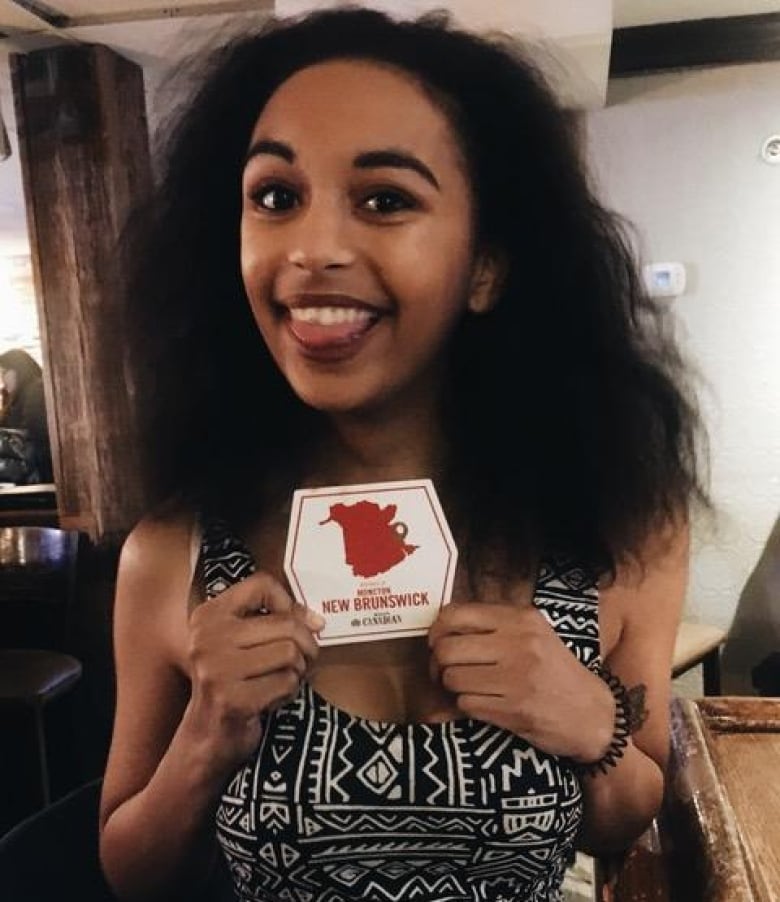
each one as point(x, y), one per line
point(679, 154)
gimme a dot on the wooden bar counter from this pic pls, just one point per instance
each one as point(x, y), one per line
point(717, 838)
point(28, 505)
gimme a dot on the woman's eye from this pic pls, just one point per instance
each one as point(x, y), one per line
point(388, 202)
point(276, 198)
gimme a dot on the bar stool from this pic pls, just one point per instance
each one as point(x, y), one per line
point(699, 643)
point(31, 678)
point(37, 588)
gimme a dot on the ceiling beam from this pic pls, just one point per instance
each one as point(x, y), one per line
point(46, 14)
point(53, 19)
point(646, 49)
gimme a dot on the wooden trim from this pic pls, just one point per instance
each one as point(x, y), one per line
point(172, 12)
point(705, 836)
point(57, 20)
point(42, 11)
point(703, 42)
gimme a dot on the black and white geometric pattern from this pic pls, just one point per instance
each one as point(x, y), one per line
point(335, 808)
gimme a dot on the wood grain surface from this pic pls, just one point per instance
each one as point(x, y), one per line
point(84, 154)
point(743, 738)
point(717, 837)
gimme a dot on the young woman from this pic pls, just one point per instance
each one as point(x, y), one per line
point(375, 255)
point(25, 408)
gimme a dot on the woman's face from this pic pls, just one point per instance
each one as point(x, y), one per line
point(357, 244)
point(9, 380)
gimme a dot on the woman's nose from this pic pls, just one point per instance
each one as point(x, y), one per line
point(321, 240)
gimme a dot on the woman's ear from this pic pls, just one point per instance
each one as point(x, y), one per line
point(487, 280)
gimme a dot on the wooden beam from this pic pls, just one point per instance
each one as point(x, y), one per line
point(704, 42)
point(42, 11)
point(83, 144)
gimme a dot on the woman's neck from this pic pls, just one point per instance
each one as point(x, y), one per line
point(408, 445)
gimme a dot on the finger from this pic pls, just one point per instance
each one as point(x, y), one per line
point(257, 594)
point(434, 671)
point(476, 617)
point(234, 666)
point(471, 648)
point(260, 661)
point(262, 593)
point(256, 663)
point(262, 631)
point(471, 617)
point(490, 708)
point(471, 679)
point(315, 622)
point(257, 694)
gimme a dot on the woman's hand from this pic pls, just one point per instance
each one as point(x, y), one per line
point(507, 666)
point(249, 649)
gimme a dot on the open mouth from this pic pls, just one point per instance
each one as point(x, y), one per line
point(325, 326)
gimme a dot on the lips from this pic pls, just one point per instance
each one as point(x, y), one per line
point(329, 322)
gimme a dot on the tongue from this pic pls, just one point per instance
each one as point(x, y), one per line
point(315, 335)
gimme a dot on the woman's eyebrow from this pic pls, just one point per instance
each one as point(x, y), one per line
point(369, 159)
point(395, 158)
point(274, 148)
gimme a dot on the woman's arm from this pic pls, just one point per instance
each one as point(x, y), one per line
point(620, 804)
point(190, 694)
point(507, 666)
point(159, 790)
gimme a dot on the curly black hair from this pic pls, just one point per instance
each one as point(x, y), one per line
point(569, 417)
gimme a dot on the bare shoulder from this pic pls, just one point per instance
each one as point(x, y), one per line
point(642, 589)
point(150, 649)
point(158, 545)
point(154, 578)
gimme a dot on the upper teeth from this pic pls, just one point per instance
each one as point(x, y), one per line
point(330, 316)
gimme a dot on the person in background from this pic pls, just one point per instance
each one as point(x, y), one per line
point(24, 407)
point(374, 255)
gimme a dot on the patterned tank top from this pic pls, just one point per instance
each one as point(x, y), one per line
point(334, 807)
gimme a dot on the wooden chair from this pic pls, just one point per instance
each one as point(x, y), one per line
point(629, 877)
point(54, 855)
point(37, 588)
point(699, 643)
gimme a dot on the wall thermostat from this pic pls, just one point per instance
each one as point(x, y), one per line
point(664, 280)
point(770, 150)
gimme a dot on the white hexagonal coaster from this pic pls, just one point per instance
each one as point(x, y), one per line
point(376, 560)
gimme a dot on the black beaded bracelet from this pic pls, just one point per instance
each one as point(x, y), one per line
point(621, 731)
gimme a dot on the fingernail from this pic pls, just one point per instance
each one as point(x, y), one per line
point(314, 620)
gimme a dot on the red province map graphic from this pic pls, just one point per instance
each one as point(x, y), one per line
point(373, 544)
